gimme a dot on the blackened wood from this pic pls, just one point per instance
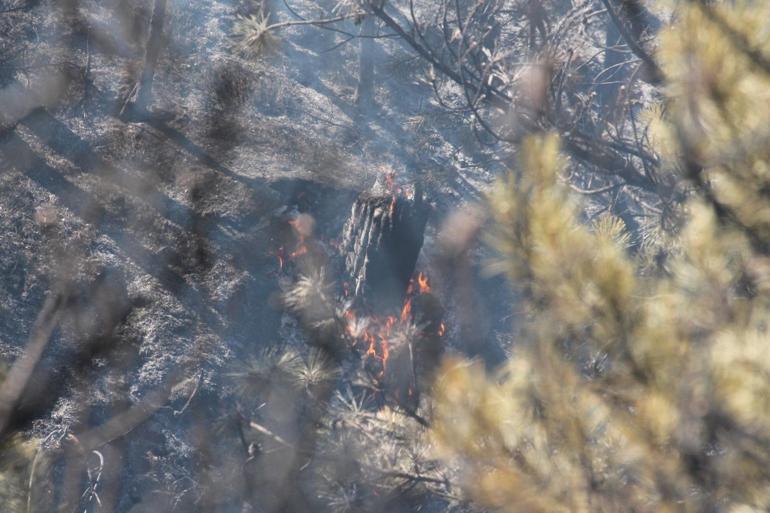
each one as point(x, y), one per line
point(381, 242)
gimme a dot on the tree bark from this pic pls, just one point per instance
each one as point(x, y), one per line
point(381, 242)
point(365, 90)
point(154, 43)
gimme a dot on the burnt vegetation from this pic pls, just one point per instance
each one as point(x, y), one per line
point(384, 256)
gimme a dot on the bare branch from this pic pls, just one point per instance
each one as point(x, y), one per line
point(656, 75)
point(18, 377)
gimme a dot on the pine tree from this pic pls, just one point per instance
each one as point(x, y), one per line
point(635, 387)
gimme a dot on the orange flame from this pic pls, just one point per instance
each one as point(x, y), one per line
point(298, 252)
point(406, 310)
point(350, 316)
point(389, 322)
point(372, 349)
point(385, 354)
point(301, 248)
point(392, 207)
point(422, 282)
point(375, 337)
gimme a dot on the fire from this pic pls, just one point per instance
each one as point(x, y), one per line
point(372, 349)
point(422, 282)
point(373, 334)
point(302, 230)
point(406, 310)
point(302, 226)
point(393, 189)
point(298, 252)
point(350, 327)
point(385, 354)
point(390, 181)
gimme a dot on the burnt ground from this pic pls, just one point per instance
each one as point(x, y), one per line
point(174, 219)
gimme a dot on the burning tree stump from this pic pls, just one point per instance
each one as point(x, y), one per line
point(394, 321)
point(381, 242)
point(414, 350)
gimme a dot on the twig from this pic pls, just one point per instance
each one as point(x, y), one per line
point(415, 477)
point(590, 192)
point(292, 23)
point(633, 44)
point(192, 395)
point(262, 429)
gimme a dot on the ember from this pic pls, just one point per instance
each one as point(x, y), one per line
point(422, 282)
point(302, 227)
point(406, 310)
point(373, 333)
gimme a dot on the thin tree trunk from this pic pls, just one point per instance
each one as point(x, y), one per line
point(154, 42)
point(365, 91)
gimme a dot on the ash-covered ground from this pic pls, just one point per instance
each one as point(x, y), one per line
point(174, 378)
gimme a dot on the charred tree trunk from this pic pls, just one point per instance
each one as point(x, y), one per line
point(154, 43)
point(381, 242)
